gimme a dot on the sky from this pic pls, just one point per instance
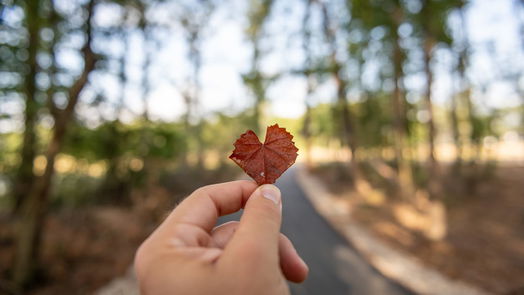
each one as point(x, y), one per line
point(226, 54)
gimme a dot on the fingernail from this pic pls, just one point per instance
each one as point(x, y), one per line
point(271, 192)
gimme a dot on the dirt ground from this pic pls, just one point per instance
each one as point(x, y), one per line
point(84, 249)
point(485, 220)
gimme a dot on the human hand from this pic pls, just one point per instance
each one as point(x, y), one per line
point(186, 255)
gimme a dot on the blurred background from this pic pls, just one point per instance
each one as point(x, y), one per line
point(412, 111)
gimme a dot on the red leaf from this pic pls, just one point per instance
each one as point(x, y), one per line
point(265, 162)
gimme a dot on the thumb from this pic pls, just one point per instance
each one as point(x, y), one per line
point(258, 232)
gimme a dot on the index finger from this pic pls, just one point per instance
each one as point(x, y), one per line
point(203, 207)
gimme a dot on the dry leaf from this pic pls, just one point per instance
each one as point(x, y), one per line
point(265, 162)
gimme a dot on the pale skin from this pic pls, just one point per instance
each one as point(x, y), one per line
point(187, 254)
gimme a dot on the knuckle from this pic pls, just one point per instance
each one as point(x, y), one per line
point(201, 190)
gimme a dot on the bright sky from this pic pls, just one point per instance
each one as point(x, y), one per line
point(226, 54)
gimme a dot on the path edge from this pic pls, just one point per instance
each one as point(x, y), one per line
point(402, 268)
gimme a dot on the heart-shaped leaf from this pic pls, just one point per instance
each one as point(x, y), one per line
point(265, 162)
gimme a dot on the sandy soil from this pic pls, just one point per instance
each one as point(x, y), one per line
point(485, 217)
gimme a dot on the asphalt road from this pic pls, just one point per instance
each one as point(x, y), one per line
point(335, 267)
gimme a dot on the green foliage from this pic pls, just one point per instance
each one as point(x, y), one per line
point(75, 190)
point(323, 128)
point(9, 145)
point(114, 139)
point(221, 131)
point(483, 126)
point(374, 121)
point(166, 140)
point(431, 20)
point(259, 11)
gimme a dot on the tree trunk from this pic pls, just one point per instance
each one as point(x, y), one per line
point(257, 86)
point(456, 99)
point(433, 182)
point(308, 75)
point(24, 177)
point(33, 215)
point(473, 141)
point(35, 205)
point(186, 96)
point(456, 133)
point(348, 132)
point(257, 16)
point(464, 84)
point(146, 132)
point(306, 133)
point(195, 57)
point(428, 47)
point(405, 176)
point(347, 124)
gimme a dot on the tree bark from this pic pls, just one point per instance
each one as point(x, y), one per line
point(24, 177)
point(35, 206)
point(428, 47)
point(465, 91)
point(308, 75)
point(195, 56)
point(405, 175)
point(348, 130)
point(255, 80)
point(459, 97)
point(433, 180)
point(456, 132)
point(146, 132)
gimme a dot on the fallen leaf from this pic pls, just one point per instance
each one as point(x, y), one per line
point(265, 162)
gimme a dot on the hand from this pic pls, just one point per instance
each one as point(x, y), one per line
point(186, 255)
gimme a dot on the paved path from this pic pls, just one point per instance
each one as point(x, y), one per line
point(335, 267)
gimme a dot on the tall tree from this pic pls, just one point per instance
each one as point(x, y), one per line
point(308, 73)
point(465, 85)
point(148, 46)
point(336, 69)
point(389, 16)
point(24, 178)
point(113, 184)
point(429, 41)
point(430, 24)
point(194, 21)
point(35, 205)
point(399, 105)
point(255, 79)
point(461, 48)
point(515, 76)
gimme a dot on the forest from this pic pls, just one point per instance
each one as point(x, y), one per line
point(112, 111)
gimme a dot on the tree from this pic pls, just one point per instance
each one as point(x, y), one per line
point(389, 16)
point(463, 53)
point(255, 80)
point(194, 21)
point(35, 205)
point(461, 48)
point(148, 45)
point(430, 23)
point(24, 178)
point(310, 80)
point(399, 103)
point(336, 69)
point(113, 181)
